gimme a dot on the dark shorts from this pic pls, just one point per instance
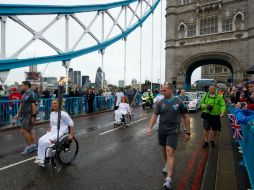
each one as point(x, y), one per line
point(167, 140)
point(213, 122)
point(25, 122)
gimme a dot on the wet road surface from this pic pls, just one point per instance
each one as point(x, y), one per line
point(108, 158)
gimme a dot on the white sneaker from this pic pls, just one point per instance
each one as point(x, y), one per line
point(42, 165)
point(165, 169)
point(39, 161)
point(168, 184)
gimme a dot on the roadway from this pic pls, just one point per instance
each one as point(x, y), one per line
point(108, 158)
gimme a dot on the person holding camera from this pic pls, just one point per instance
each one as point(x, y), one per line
point(213, 108)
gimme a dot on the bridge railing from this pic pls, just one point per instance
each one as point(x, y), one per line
point(247, 144)
point(72, 105)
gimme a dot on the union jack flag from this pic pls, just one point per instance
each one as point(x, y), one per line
point(237, 128)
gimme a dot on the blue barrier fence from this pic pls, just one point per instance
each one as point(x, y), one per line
point(247, 145)
point(73, 105)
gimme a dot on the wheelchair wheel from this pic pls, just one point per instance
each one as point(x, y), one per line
point(67, 150)
point(127, 120)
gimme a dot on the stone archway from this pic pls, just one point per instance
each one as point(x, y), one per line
point(191, 63)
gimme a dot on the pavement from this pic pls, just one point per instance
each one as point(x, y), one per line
point(122, 159)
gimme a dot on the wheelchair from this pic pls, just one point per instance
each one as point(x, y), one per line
point(125, 120)
point(62, 151)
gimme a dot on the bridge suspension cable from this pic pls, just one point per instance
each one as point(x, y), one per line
point(160, 49)
point(12, 12)
point(152, 53)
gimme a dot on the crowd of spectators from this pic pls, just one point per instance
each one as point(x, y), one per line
point(242, 97)
point(14, 94)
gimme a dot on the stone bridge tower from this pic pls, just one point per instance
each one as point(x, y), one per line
point(204, 32)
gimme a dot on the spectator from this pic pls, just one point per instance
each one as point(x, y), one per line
point(90, 100)
point(242, 114)
point(1, 91)
point(130, 95)
point(182, 96)
point(45, 94)
point(15, 95)
point(119, 95)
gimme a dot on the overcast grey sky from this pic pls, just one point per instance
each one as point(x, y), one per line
point(88, 64)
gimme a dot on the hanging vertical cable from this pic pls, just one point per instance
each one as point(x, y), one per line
point(140, 50)
point(66, 64)
point(152, 53)
point(161, 43)
point(102, 71)
point(125, 44)
point(102, 50)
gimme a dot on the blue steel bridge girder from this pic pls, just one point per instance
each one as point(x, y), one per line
point(13, 11)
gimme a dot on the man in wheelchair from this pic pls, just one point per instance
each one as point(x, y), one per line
point(123, 113)
point(50, 138)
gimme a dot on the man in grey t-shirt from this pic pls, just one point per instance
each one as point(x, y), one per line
point(170, 110)
point(26, 116)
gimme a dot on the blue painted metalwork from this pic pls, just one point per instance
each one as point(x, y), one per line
point(247, 145)
point(16, 63)
point(102, 103)
point(22, 9)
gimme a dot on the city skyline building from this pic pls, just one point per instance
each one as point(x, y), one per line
point(77, 77)
point(134, 82)
point(49, 83)
point(121, 83)
point(71, 75)
point(98, 77)
point(85, 80)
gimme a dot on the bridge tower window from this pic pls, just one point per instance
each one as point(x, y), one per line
point(209, 25)
point(227, 25)
point(184, 2)
point(191, 30)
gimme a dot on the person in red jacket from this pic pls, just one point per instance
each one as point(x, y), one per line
point(15, 95)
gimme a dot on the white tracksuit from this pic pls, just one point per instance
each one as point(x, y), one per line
point(122, 110)
point(48, 139)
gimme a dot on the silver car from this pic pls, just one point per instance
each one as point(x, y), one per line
point(194, 101)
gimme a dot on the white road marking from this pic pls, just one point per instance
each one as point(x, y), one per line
point(81, 132)
point(139, 120)
point(111, 130)
point(15, 164)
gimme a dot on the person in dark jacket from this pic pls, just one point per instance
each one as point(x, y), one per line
point(90, 99)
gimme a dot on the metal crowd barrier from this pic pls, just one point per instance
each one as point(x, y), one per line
point(247, 144)
point(73, 105)
point(8, 111)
